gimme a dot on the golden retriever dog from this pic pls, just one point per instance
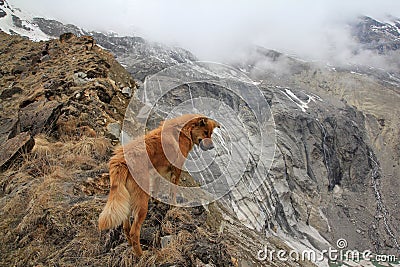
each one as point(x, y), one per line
point(164, 149)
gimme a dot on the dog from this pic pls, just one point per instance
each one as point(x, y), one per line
point(167, 148)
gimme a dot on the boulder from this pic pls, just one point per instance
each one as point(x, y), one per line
point(80, 78)
point(40, 116)
point(9, 127)
point(127, 91)
point(45, 58)
point(18, 69)
point(10, 92)
point(14, 147)
point(114, 129)
point(66, 36)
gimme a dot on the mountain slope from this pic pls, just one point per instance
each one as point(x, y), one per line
point(13, 21)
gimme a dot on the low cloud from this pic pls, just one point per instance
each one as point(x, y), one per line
point(220, 30)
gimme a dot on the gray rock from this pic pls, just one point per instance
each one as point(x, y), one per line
point(166, 240)
point(10, 92)
point(40, 117)
point(9, 127)
point(18, 22)
point(80, 78)
point(127, 91)
point(18, 69)
point(78, 95)
point(45, 58)
point(114, 129)
point(246, 263)
point(81, 75)
point(14, 147)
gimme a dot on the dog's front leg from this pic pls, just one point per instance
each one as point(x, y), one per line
point(176, 174)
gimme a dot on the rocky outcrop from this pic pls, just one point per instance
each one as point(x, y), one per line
point(14, 147)
point(9, 128)
point(375, 35)
point(333, 171)
point(40, 116)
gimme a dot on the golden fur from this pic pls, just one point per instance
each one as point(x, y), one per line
point(178, 136)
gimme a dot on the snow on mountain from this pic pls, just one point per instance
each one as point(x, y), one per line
point(15, 21)
point(140, 57)
point(376, 35)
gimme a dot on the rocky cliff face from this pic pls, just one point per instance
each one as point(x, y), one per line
point(334, 172)
point(375, 35)
point(337, 138)
point(326, 181)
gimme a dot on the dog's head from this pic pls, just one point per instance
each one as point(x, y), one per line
point(201, 132)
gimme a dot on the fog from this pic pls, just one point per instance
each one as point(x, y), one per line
point(219, 30)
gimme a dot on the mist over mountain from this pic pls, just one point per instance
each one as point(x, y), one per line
point(219, 30)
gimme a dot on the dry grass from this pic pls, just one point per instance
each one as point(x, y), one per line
point(179, 214)
point(169, 226)
point(50, 202)
point(43, 215)
point(173, 253)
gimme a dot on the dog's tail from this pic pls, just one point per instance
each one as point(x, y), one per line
point(118, 207)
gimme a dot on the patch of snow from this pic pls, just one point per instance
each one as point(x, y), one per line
point(30, 29)
point(303, 105)
point(243, 70)
point(357, 73)
point(298, 59)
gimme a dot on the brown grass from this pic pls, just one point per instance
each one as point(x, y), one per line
point(50, 202)
point(43, 216)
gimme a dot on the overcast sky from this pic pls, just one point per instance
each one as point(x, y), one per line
point(214, 29)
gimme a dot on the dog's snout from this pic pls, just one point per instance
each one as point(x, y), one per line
point(206, 144)
point(211, 146)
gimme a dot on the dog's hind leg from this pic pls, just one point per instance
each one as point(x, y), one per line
point(127, 228)
point(140, 213)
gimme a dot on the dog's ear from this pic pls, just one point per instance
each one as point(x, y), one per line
point(202, 122)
